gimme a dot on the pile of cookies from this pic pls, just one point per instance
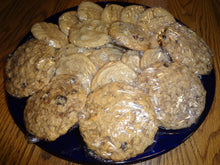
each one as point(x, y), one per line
point(117, 72)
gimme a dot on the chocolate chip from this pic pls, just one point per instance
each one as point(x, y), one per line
point(61, 100)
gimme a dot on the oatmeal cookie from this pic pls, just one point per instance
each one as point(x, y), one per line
point(118, 122)
point(186, 47)
point(176, 93)
point(51, 112)
point(29, 68)
point(50, 33)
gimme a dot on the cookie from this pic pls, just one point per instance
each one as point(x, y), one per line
point(113, 72)
point(155, 19)
point(51, 112)
point(111, 13)
point(90, 34)
point(118, 122)
point(89, 11)
point(131, 13)
point(176, 93)
point(78, 65)
point(186, 47)
point(29, 68)
point(152, 56)
point(50, 33)
point(130, 35)
point(131, 58)
point(67, 20)
point(104, 55)
point(72, 49)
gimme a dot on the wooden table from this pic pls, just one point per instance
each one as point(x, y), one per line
point(202, 16)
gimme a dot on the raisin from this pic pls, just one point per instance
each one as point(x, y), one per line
point(166, 65)
point(164, 36)
point(23, 85)
point(61, 100)
point(123, 145)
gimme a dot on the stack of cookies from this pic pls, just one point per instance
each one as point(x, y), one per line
point(117, 72)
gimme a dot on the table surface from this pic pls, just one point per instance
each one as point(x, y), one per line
point(16, 19)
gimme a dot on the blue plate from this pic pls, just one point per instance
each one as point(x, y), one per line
point(71, 145)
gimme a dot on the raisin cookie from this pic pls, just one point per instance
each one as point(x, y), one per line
point(186, 47)
point(51, 112)
point(130, 35)
point(176, 93)
point(30, 68)
point(50, 33)
point(118, 122)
